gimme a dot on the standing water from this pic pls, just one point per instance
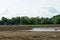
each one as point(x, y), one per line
point(44, 29)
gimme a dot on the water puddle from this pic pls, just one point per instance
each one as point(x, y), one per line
point(44, 29)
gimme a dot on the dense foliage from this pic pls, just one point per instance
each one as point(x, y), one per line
point(30, 21)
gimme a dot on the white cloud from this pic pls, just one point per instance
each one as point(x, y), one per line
point(53, 10)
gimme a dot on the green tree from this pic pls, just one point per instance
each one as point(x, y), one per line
point(4, 21)
point(37, 20)
point(56, 19)
point(24, 20)
point(17, 20)
point(45, 20)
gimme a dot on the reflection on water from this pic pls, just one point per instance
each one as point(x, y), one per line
point(44, 29)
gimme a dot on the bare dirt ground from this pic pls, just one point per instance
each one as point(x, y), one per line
point(26, 35)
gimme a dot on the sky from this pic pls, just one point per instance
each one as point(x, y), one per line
point(30, 8)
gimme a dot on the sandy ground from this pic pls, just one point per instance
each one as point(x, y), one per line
point(27, 35)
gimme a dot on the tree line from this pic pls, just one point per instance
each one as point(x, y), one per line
point(29, 21)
